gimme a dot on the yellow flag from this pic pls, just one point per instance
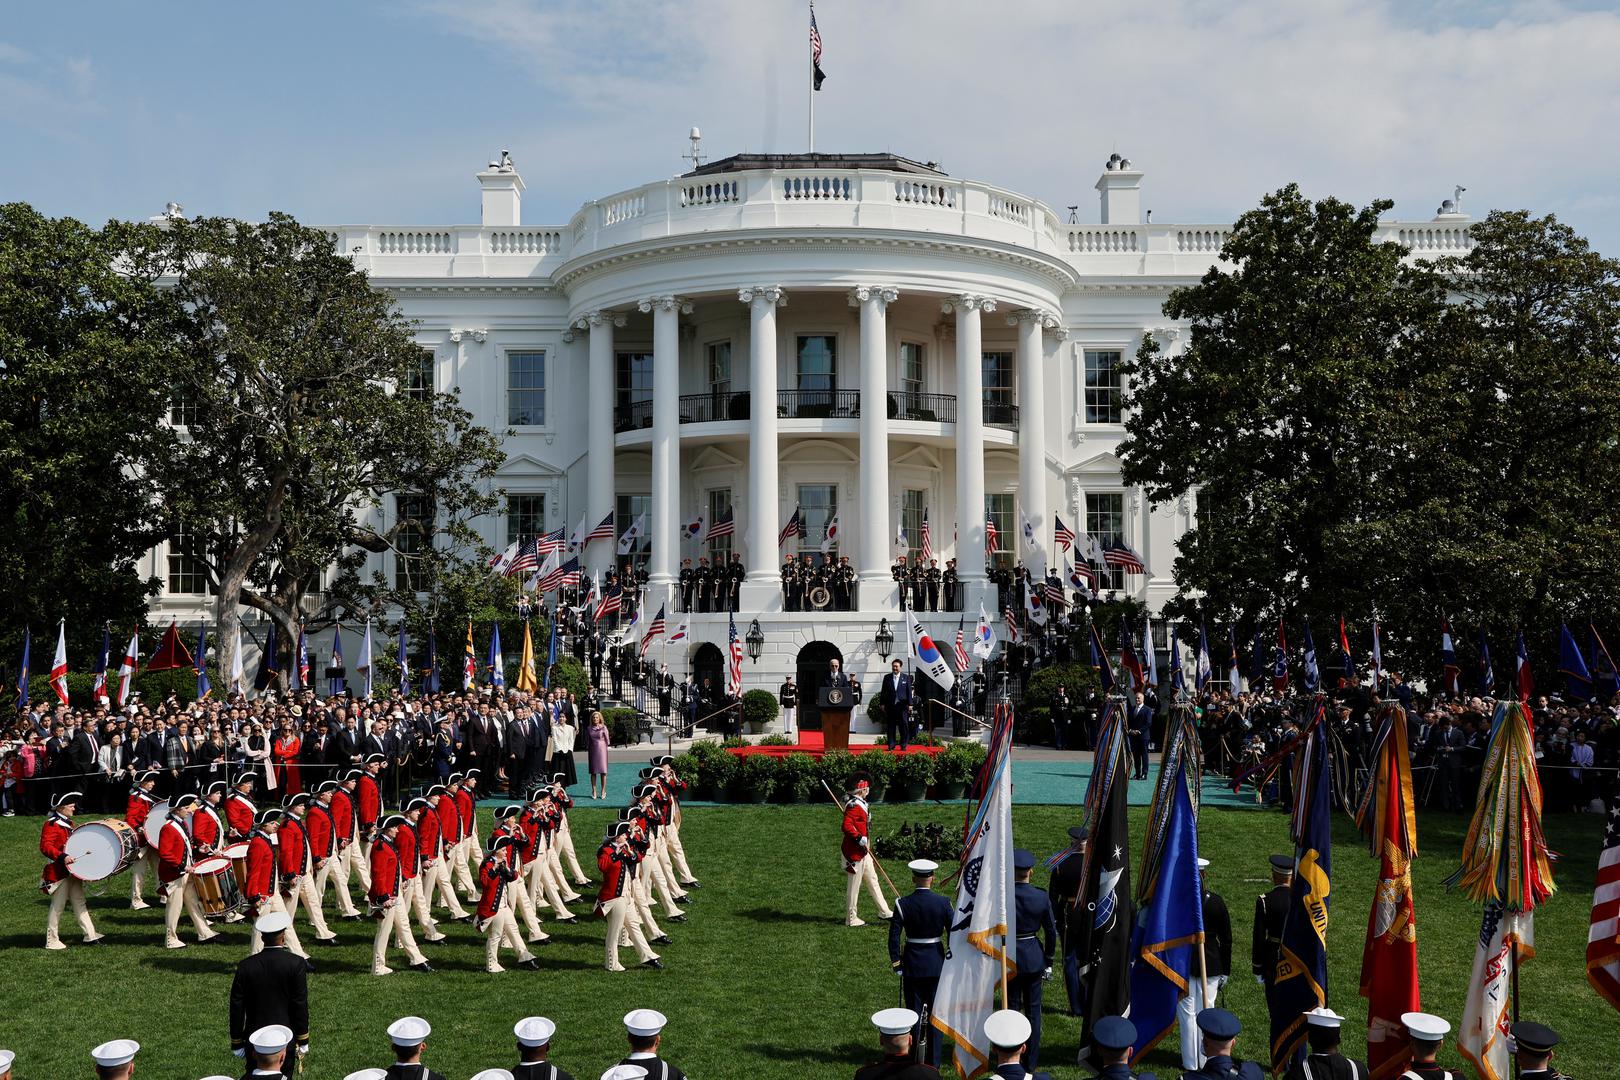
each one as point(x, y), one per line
point(526, 680)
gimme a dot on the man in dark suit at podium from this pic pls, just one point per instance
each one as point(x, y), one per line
point(835, 675)
point(896, 701)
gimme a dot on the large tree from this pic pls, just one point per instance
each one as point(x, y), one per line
point(85, 363)
point(311, 440)
point(1371, 434)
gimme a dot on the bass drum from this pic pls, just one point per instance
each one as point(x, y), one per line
point(154, 822)
point(101, 849)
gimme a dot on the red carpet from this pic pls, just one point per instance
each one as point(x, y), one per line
point(812, 743)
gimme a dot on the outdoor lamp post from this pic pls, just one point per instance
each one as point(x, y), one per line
point(756, 641)
point(884, 639)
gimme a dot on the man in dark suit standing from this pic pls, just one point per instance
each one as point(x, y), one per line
point(896, 697)
point(271, 987)
point(1138, 722)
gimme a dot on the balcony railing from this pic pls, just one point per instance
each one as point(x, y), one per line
point(811, 405)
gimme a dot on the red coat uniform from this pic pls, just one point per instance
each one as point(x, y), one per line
point(465, 809)
point(261, 870)
point(855, 822)
point(494, 873)
point(137, 811)
point(405, 842)
point(318, 826)
point(618, 867)
point(528, 830)
point(368, 803)
point(293, 850)
point(174, 852)
point(53, 840)
point(449, 820)
point(240, 813)
point(206, 828)
point(385, 875)
point(342, 818)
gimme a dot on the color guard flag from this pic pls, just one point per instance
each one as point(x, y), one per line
point(1150, 655)
point(1234, 674)
point(98, 683)
point(632, 536)
point(551, 655)
point(203, 687)
point(528, 680)
point(1128, 657)
point(927, 545)
point(1100, 661)
point(1487, 1014)
point(238, 680)
point(794, 527)
point(337, 683)
point(961, 650)
point(681, 632)
point(430, 684)
point(984, 636)
point(403, 659)
point(1279, 661)
point(269, 661)
point(362, 663)
point(654, 629)
point(1487, 676)
point(171, 651)
point(1378, 659)
point(1572, 666)
point(1083, 579)
point(505, 559)
point(603, 530)
point(550, 542)
point(22, 675)
point(1062, 535)
point(734, 659)
point(1347, 663)
point(1258, 666)
point(724, 525)
point(1035, 605)
point(928, 656)
point(1448, 660)
point(59, 669)
point(497, 662)
point(1120, 554)
point(469, 662)
point(1603, 934)
point(1523, 679)
point(300, 667)
point(1203, 670)
point(527, 558)
point(692, 528)
point(1011, 622)
point(1313, 674)
point(576, 539)
point(126, 669)
point(831, 538)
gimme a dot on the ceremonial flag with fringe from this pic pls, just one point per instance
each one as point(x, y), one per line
point(1100, 921)
point(527, 681)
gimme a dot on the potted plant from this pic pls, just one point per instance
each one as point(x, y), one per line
point(756, 779)
point(796, 778)
point(952, 771)
point(722, 773)
point(878, 765)
point(833, 770)
point(759, 708)
point(913, 773)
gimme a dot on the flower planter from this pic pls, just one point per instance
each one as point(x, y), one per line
point(949, 792)
point(911, 792)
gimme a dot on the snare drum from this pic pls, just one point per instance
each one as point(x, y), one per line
point(154, 822)
point(101, 849)
point(237, 854)
point(217, 890)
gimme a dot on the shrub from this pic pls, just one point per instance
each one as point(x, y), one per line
point(759, 707)
point(689, 769)
point(775, 740)
point(920, 841)
point(1081, 680)
point(914, 769)
point(569, 674)
point(732, 742)
point(757, 774)
point(877, 764)
point(797, 777)
point(958, 763)
point(834, 769)
point(719, 771)
point(623, 726)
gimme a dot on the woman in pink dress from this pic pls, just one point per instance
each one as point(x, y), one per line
point(285, 755)
point(596, 739)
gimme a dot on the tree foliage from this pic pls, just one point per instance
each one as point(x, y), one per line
point(1371, 434)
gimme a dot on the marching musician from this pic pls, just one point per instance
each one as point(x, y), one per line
point(856, 849)
point(240, 813)
point(672, 786)
point(388, 903)
point(470, 853)
point(506, 824)
point(139, 808)
point(565, 833)
point(434, 845)
point(321, 826)
point(56, 882)
point(261, 888)
point(177, 886)
point(207, 825)
point(297, 867)
point(616, 861)
point(451, 834)
point(925, 918)
point(494, 917)
point(346, 832)
point(413, 881)
point(368, 803)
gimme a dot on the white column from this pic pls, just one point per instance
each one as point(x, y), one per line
point(970, 562)
point(600, 483)
point(762, 588)
point(666, 444)
point(877, 587)
point(1032, 425)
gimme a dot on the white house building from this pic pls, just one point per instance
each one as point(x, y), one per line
point(629, 349)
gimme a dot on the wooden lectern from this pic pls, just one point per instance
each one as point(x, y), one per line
point(835, 703)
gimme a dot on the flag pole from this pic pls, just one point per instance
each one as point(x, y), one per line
point(811, 51)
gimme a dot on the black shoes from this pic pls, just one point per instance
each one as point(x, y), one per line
point(677, 918)
point(531, 963)
point(661, 939)
point(654, 963)
point(424, 967)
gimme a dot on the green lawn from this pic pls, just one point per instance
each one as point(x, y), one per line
point(762, 982)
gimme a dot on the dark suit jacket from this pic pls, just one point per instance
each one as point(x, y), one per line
point(82, 753)
point(897, 690)
point(270, 987)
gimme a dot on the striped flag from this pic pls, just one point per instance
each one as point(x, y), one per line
point(1448, 659)
point(1063, 535)
point(927, 546)
point(59, 670)
point(1603, 935)
point(794, 527)
point(527, 558)
point(603, 531)
point(126, 669)
point(817, 76)
point(990, 537)
point(98, 685)
point(1120, 554)
point(734, 664)
point(1011, 620)
point(201, 661)
point(552, 574)
point(961, 651)
point(724, 525)
point(1083, 578)
point(610, 603)
point(551, 541)
point(300, 663)
point(654, 628)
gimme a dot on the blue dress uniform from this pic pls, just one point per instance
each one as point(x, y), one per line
point(1116, 1033)
point(925, 918)
point(1032, 921)
point(1221, 1026)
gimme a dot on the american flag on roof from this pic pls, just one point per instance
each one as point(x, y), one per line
point(817, 76)
point(603, 531)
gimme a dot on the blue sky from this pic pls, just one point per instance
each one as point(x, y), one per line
point(359, 112)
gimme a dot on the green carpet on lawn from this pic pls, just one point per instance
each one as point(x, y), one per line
point(763, 981)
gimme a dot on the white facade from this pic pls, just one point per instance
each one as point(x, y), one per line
point(906, 272)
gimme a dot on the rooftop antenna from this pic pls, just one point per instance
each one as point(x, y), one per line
point(695, 154)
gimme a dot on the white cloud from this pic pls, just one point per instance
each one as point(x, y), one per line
point(11, 54)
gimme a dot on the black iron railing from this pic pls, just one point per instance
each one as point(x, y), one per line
point(818, 404)
point(631, 417)
point(936, 408)
point(811, 405)
point(997, 414)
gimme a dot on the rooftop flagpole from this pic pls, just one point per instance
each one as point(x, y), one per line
point(812, 80)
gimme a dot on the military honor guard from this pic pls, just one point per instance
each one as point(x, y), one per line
point(176, 886)
point(1114, 1037)
point(267, 1051)
point(297, 866)
point(615, 900)
point(860, 865)
point(534, 1034)
point(896, 1032)
point(1270, 911)
point(208, 823)
point(240, 812)
point(56, 882)
point(1533, 1051)
point(387, 902)
point(136, 811)
point(506, 818)
point(446, 852)
point(321, 826)
point(409, 1036)
point(644, 1028)
point(1424, 1034)
point(115, 1060)
point(262, 889)
point(1036, 931)
point(1323, 1061)
point(541, 882)
point(494, 918)
point(924, 918)
point(1064, 886)
point(1008, 1033)
point(1207, 982)
point(1220, 1030)
point(413, 885)
point(271, 988)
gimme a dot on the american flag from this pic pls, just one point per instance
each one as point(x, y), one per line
point(990, 535)
point(1083, 578)
point(961, 652)
point(570, 573)
point(1054, 593)
point(794, 527)
point(654, 628)
point(604, 531)
point(815, 51)
point(610, 602)
point(1063, 535)
point(1603, 937)
point(551, 541)
point(1011, 620)
point(527, 558)
point(734, 671)
point(927, 539)
point(1120, 554)
point(724, 525)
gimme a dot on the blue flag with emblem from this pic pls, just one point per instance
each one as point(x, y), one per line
point(1299, 982)
point(1099, 930)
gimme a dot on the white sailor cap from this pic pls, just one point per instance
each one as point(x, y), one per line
point(625, 1072)
point(644, 1022)
point(368, 1074)
point(117, 1052)
point(894, 1021)
point(1203, 864)
point(6, 1058)
point(1425, 1026)
point(922, 867)
point(409, 1031)
point(534, 1031)
point(217, 1077)
point(1323, 1017)
point(1007, 1028)
point(271, 1038)
point(272, 922)
point(493, 1074)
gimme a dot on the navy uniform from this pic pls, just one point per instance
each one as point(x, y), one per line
point(1065, 884)
point(892, 1023)
point(1111, 1036)
point(1032, 919)
point(1536, 1041)
point(647, 1024)
point(410, 1032)
point(1008, 1034)
point(925, 918)
point(1220, 1027)
point(1322, 1025)
point(1270, 911)
point(1425, 1032)
point(534, 1033)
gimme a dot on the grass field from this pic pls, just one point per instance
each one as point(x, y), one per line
point(763, 981)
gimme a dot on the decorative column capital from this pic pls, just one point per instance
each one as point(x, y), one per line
point(883, 294)
point(968, 302)
point(1026, 315)
point(477, 335)
point(665, 303)
point(770, 294)
point(599, 317)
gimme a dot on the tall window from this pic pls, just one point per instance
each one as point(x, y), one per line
point(411, 543)
point(633, 378)
point(719, 368)
point(998, 378)
point(182, 407)
point(526, 389)
point(820, 505)
point(999, 509)
point(627, 509)
point(525, 516)
point(186, 574)
point(1105, 522)
point(913, 505)
point(818, 362)
point(911, 368)
point(719, 549)
point(420, 384)
point(1103, 387)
